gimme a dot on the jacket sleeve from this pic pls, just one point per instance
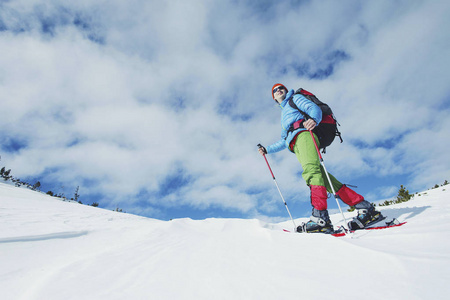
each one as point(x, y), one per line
point(308, 107)
point(278, 146)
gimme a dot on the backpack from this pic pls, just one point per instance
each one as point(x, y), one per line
point(327, 129)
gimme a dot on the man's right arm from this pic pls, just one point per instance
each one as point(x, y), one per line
point(278, 146)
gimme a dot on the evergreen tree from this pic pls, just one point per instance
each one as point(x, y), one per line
point(36, 186)
point(403, 195)
point(77, 196)
point(6, 175)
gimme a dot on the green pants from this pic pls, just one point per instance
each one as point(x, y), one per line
point(313, 172)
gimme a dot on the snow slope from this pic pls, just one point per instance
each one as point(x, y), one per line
point(50, 249)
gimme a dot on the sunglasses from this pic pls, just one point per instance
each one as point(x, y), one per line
point(278, 88)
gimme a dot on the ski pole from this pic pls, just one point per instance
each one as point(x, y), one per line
point(328, 177)
point(282, 198)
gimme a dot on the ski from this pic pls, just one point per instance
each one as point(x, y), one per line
point(393, 223)
point(342, 231)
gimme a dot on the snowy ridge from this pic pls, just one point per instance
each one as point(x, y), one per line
point(50, 249)
point(60, 235)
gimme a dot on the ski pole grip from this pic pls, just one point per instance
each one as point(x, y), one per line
point(262, 147)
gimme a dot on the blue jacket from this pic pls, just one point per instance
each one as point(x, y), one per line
point(290, 115)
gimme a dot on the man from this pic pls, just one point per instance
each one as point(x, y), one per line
point(301, 143)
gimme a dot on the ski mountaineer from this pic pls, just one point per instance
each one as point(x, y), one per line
point(300, 142)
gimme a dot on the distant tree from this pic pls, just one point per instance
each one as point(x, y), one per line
point(403, 195)
point(5, 174)
point(77, 195)
point(386, 203)
point(95, 204)
point(50, 193)
point(36, 186)
point(445, 182)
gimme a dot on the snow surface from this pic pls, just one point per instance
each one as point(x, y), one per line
point(51, 249)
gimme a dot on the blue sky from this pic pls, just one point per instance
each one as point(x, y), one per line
point(157, 107)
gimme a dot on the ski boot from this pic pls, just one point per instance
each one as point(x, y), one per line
point(367, 215)
point(318, 223)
